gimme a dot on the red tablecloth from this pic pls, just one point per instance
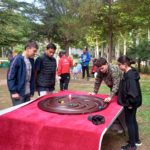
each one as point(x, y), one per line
point(29, 128)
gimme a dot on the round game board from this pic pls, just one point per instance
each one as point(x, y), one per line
point(72, 104)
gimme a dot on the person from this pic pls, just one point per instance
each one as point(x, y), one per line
point(108, 73)
point(10, 56)
point(85, 60)
point(20, 75)
point(45, 71)
point(94, 68)
point(130, 97)
point(75, 71)
point(112, 76)
point(79, 67)
point(64, 65)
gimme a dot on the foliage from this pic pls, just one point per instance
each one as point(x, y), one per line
point(141, 51)
point(14, 27)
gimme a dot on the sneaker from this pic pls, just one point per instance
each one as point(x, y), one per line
point(128, 147)
point(138, 143)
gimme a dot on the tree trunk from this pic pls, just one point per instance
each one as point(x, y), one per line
point(102, 51)
point(124, 47)
point(66, 47)
point(110, 33)
point(148, 34)
point(139, 64)
point(97, 49)
point(117, 51)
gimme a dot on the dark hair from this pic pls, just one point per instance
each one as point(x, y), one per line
point(51, 46)
point(61, 53)
point(100, 62)
point(31, 44)
point(125, 60)
point(86, 49)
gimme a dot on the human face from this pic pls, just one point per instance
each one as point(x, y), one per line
point(103, 68)
point(122, 66)
point(50, 52)
point(31, 52)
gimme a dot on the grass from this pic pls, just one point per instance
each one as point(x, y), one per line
point(143, 114)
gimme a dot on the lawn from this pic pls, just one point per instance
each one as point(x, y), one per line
point(114, 140)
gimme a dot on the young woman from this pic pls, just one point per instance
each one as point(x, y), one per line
point(129, 96)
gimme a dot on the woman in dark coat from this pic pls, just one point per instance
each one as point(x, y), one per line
point(129, 96)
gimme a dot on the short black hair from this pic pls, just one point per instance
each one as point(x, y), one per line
point(61, 53)
point(100, 62)
point(51, 46)
point(31, 44)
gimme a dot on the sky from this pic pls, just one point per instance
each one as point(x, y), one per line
point(28, 1)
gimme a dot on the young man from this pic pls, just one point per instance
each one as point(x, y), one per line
point(20, 76)
point(45, 69)
point(64, 66)
point(108, 73)
point(85, 60)
point(112, 76)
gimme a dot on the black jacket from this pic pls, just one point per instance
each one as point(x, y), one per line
point(129, 90)
point(46, 71)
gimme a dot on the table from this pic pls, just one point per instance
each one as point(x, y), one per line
point(29, 128)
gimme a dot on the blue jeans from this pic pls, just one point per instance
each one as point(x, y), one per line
point(23, 99)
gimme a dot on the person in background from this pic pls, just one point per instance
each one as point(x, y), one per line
point(75, 71)
point(20, 75)
point(94, 69)
point(79, 67)
point(130, 97)
point(64, 65)
point(45, 71)
point(11, 55)
point(85, 60)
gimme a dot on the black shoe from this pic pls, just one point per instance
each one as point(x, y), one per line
point(128, 147)
point(137, 143)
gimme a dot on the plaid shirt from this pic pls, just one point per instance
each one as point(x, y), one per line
point(111, 78)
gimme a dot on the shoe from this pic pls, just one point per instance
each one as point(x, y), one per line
point(138, 143)
point(128, 147)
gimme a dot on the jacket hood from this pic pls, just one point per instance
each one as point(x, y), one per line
point(132, 73)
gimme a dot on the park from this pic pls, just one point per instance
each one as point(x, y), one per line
point(106, 28)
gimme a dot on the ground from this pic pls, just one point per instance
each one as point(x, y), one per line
point(112, 140)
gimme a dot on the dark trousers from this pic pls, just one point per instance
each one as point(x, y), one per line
point(85, 68)
point(133, 132)
point(64, 81)
point(23, 99)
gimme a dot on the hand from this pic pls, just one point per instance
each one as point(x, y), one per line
point(31, 96)
point(15, 96)
point(59, 77)
point(107, 100)
point(92, 93)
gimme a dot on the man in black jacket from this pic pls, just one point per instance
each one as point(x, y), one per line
point(45, 69)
